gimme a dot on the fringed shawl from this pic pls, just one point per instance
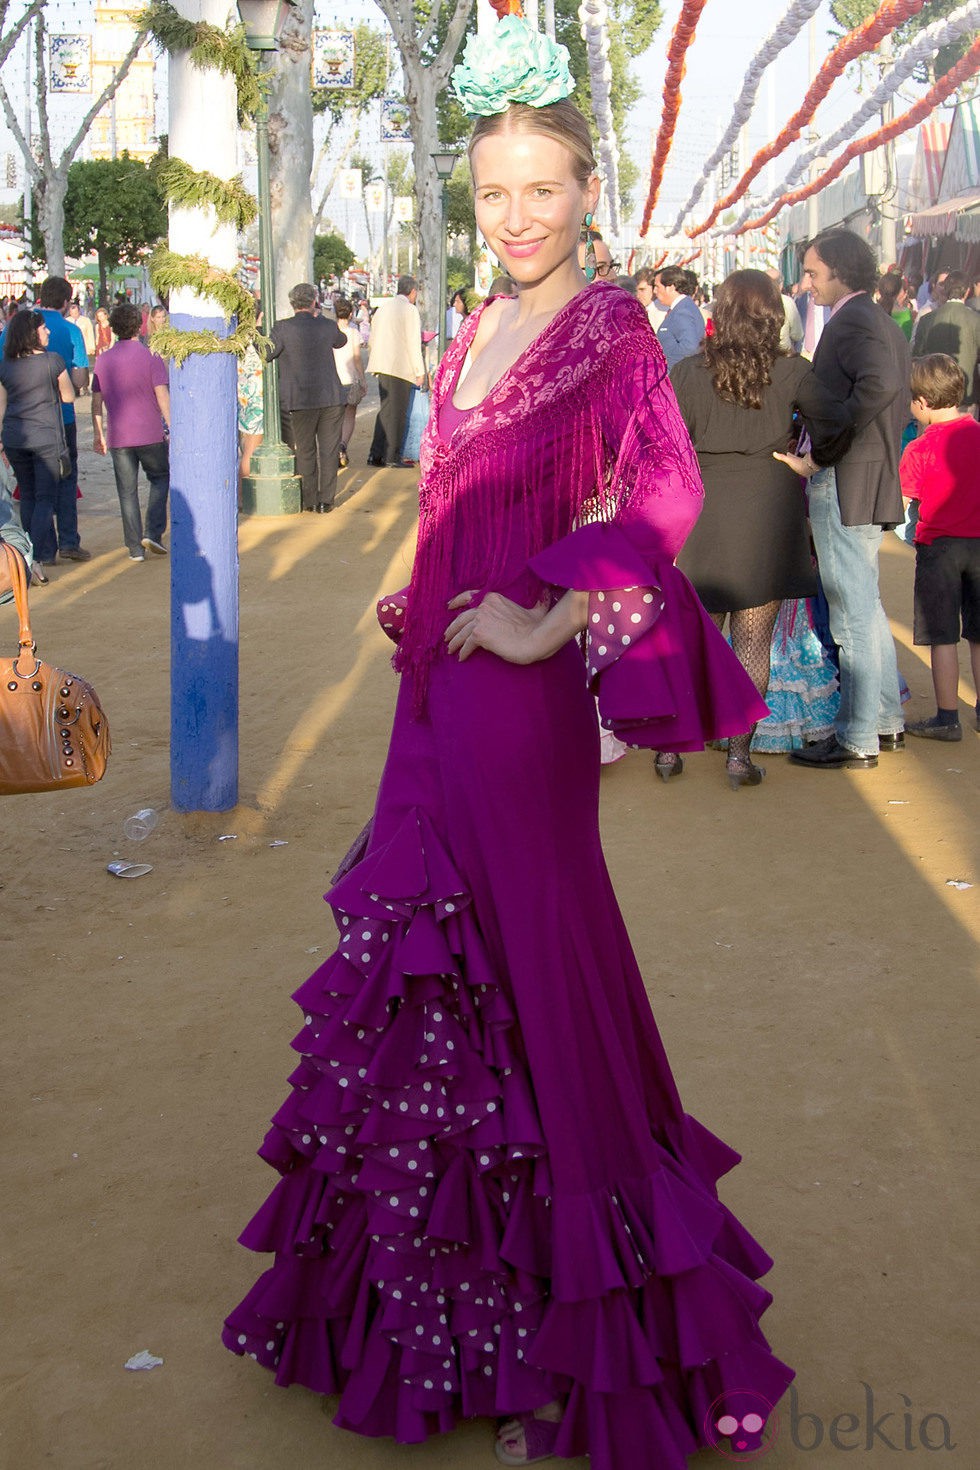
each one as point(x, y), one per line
point(583, 427)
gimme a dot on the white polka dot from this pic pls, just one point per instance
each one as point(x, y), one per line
point(426, 1086)
point(270, 1347)
point(413, 1163)
point(648, 597)
point(617, 607)
point(366, 934)
point(393, 1153)
point(488, 1347)
point(309, 1020)
point(602, 650)
point(627, 640)
point(450, 908)
point(437, 1015)
point(422, 1191)
point(518, 1307)
point(427, 1383)
point(342, 1081)
point(397, 1295)
point(448, 1387)
point(242, 1340)
point(307, 1138)
point(365, 958)
point(610, 627)
point(636, 617)
point(385, 937)
point(491, 1107)
point(393, 1199)
point(595, 617)
point(414, 1214)
point(460, 1109)
point(430, 1036)
point(323, 1138)
point(420, 1332)
point(362, 1072)
point(488, 1370)
point(484, 1159)
point(601, 596)
point(402, 1107)
point(424, 1108)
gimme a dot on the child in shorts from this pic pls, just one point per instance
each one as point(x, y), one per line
point(941, 470)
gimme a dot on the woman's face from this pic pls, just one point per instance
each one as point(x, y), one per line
point(43, 335)
point(529, 204)
point(101, 316)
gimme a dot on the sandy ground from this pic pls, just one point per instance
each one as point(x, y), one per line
point(811, 970)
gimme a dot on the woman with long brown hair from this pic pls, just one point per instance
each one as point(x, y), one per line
point(750, 549)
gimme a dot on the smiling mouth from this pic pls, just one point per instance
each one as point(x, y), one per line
point(522, 247)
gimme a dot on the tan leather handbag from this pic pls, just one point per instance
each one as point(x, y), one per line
point(53, 730)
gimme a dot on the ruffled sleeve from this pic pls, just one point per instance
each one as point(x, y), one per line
point(665, 678)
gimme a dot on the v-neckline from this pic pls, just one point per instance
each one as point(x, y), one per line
point(517, 360)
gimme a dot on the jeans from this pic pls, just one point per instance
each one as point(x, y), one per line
point(155, 460)
point(313, 434)
point(847, 557)
point(36, 472)
point(66, 506)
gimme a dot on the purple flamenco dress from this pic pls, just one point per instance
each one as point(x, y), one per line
point(491, 1196)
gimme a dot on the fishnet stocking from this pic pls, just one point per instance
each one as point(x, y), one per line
point(751, 630)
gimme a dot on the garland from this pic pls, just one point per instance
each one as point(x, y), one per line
point(863, 38)
point(679, 43)
point(209, 48)
point(186, 188)
point(965, 68)
point(924, 48)
point(785, 32)
point(169, 271)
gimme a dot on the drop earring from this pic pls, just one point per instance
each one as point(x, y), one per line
point(589, 265)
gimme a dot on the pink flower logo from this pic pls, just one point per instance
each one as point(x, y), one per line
point(741, 1425)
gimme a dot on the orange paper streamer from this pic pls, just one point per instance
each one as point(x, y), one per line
point(507, 7)
point(858, 42)
point(679, 43)
point(966, 67)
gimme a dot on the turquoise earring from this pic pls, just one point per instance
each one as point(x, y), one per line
point(590, 259)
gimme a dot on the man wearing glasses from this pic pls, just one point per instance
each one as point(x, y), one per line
point(605, 266)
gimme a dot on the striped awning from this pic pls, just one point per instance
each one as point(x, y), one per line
point(943, 218)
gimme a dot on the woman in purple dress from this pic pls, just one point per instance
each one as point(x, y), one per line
point(492, 1201)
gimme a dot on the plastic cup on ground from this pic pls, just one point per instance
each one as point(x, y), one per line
point(138, 827)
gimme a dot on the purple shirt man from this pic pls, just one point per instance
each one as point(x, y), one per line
point(133, 384)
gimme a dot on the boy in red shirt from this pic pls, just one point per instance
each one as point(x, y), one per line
point(941, 470)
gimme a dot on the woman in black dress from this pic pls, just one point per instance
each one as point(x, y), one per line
point(750, 548)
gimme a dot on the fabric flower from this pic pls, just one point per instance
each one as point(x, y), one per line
point(512, 63)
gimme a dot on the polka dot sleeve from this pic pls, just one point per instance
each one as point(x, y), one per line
point(662, 673)
point(391, 613)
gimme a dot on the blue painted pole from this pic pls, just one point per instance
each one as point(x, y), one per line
point(203, 458)
point(204, 578)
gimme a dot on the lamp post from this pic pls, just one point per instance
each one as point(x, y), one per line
point(273, 487)
point(444, 162)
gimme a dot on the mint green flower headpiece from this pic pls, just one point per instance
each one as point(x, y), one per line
point(512, 63)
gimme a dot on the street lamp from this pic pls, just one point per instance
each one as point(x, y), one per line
point(444, 162)
point(273, 487)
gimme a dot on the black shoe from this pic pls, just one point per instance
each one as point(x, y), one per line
point(74, 553)
point(891, 742)
point(830, 755)
point(933, 730)
point(378, 464)
point(324, 507)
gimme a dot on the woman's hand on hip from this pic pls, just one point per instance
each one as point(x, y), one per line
point(497, 625)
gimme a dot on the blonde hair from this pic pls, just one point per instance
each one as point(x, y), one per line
point(560, 121)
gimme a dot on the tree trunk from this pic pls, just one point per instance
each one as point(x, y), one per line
point(291, 155)
point(50, 201)
point(428, 191)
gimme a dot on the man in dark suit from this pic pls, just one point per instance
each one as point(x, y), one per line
point(954, 329)
point(863, 359)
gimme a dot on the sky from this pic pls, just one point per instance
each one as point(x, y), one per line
point(729, 33)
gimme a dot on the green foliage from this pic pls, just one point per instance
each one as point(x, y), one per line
point(209, 47)
point(168, 272)
point(459, 274)
point(851, 13)
point(114, 207)
point(370, 77)
point(331, 256)
point(460, 213)
point(185, 186)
